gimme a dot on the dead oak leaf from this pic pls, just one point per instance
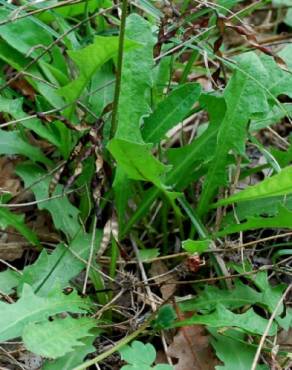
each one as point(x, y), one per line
point(191, 348)
point(160, 273)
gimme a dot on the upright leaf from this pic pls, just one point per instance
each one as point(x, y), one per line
point(88, 60)
point(134, 101)
point(233, 129)
point(184, 159)
point(170, 111)
point(137, 161)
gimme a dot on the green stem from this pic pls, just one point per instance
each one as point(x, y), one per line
point(114, 124)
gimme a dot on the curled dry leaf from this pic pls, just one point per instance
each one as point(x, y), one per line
point(191, 348)
point(11, 251)
point(24, 88)
point(8, 181)
point(159, 268)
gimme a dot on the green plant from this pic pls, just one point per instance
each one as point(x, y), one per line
point(142, 139)
point(140, 356)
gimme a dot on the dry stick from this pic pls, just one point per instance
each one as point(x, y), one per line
point(231, 276)
point(18, 205)
point(264, 240)
point(10, 266)
point(266, 332)
point(13, 360)
point(43, 177)
point(217, 278)
point(105, 276)
point(55, 42)
point(106, 306)
point(90, 255)
point(150, 295)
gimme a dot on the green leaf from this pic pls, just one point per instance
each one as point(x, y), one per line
point(24, 34)
point(170, 111)
point(72, 359)
point(7, 218)
point(14, 108)
point(11, 142)
point(284, 158)
point(165, 317)
point(271, 294)
point(184, 159)
point(101, 89)
point(207, 299)
point(233, 353)
point(55, 338)
point(248, 322)
point(279, 81)
point(31, 308)
point(147, 254)
point(233, 129)
point(280, 184)
point(136, 161)
point(134, 104)
point(288, 18)
point(240, 296)
point(138, 353)
point(66, 11)
point(58, 268)
point(258, 207)
point(189, 157)
point(286, 321)
point(195, 246)
point(88, 60)
point(64, 214)
point(274, 116)
point(281, 220)
point(123, 190)
point(19, 62)
point(9, 279)
point(136, 82)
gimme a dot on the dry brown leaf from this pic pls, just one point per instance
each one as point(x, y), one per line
point(42, 226)
point(11, 251)
point(285, 338)
point(24, 88)
point(191, 348)
point(160, 268)
point(9, 182)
